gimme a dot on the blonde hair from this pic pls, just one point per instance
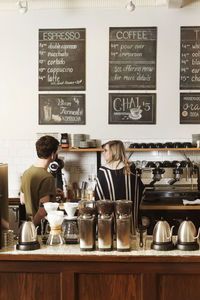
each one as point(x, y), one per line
point(117, 152)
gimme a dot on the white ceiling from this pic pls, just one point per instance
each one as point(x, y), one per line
point(68, 4)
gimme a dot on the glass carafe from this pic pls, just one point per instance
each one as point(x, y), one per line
point(55, 220)
point(70, 230)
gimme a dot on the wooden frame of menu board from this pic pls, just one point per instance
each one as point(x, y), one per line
point(132, 58)
point(58, 109)
point(190, 108)
point(62, 59)
point(132, 108)
point(189, 58)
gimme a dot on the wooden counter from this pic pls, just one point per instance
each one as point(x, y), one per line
point(66, 273)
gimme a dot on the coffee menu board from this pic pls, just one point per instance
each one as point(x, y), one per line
point(61, 59)
point(132, 108)
point(62, 109)
point(132, 58)
point(190, 58)
point(190, 108)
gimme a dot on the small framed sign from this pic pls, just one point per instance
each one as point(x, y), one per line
point(62, 109)
point(132, 108)
point(190, 108)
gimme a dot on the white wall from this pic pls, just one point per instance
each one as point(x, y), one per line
point(19, 78)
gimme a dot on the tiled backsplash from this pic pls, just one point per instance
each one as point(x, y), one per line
point(20, 154)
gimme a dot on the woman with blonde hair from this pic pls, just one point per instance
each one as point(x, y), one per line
point(118, 179)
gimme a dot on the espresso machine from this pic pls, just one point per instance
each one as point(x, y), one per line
point(167, 184)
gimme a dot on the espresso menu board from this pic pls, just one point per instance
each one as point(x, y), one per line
point(132, 58)
point(132, 108)
point(61, 59)
point(190, 108)
point(190, 58)
point(62, 109)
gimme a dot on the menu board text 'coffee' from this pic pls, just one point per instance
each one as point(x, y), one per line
point(132, 58)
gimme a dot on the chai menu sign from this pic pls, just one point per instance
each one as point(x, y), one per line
point(62, 59)
point(132, 108)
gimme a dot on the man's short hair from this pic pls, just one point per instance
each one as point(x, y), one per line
point(46, 145)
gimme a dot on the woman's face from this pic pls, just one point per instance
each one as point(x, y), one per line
point(106, 152)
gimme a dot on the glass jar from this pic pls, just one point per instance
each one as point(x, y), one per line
point(87, 207)
point(105, 224)
point(86, 225)
point(64, 141)
point(123, 207)
point(105, 207)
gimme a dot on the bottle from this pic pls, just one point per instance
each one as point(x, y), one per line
point(69, 192)
point(90, 188)
point(64, 141)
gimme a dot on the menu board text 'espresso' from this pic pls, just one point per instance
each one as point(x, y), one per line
point(61, 59)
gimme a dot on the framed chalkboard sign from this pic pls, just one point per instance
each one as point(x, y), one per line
point(62, 109)
point(190, 58)
point(190, 108)
point(132, 58)
point(132, 108)
point(61, 59)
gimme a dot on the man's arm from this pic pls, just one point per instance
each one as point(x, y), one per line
point(41, 213)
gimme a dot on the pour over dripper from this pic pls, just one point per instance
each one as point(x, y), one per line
point(55, 220)
point(70, 208)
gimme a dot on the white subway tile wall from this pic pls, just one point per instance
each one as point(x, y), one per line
point(20, 154)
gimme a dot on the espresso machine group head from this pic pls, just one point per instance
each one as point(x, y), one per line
point(157, 173)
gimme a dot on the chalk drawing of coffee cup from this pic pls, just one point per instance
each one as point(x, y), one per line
point(135, 113)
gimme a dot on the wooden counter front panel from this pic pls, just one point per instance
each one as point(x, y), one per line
point(178, 287)
point(25, 286)
point(108, 286)
point(86, 280)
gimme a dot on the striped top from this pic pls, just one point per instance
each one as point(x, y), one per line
point(115, 185)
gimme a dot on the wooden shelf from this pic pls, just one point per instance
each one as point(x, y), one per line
point(81, 150)
point(163, 149)
point(169, 207)
point(128, 149)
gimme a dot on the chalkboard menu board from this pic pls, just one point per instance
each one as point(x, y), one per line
point(132, 108)
point(61, 59)
point(62, 109)
point(132, 58)
point(190, 58)
point(190, 108)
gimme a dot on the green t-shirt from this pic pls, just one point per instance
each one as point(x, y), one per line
point(37, 183)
